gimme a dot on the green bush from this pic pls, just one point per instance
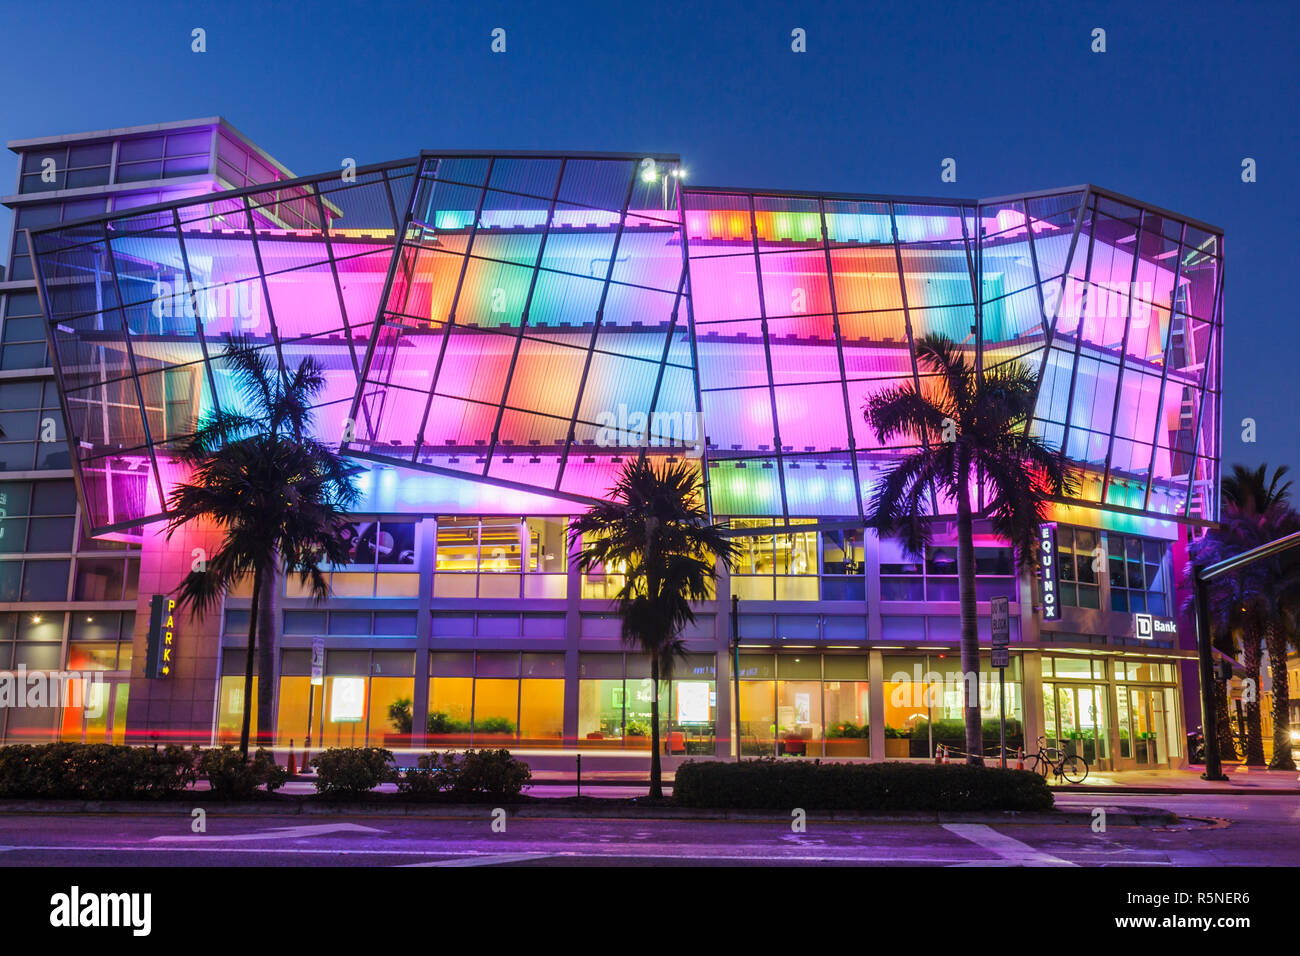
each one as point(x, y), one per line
point(93, 771)
point(893, 733)
point(770, 784)
point(232, 777)
point(847, 728)
point(353, 771)
point(954, 728)
point(399, 715)
point(493, 725)
point(473, 775)
point(442, 724)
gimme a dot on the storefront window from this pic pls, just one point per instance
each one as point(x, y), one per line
point(925, 704)
point(804, 705)
point(694, 703)
point(489, 699)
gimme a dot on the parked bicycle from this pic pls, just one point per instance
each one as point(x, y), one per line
point(1056, 762)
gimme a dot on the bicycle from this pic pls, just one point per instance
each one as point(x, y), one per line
point(1049, 759)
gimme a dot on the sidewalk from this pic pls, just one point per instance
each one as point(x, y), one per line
point(1241, 780)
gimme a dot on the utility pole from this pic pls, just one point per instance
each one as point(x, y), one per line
point(735, 665)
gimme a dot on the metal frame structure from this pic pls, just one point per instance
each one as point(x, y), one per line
point(439, 361)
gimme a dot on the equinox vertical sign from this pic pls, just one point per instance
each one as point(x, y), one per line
point(1047, 572)
point(162, 637)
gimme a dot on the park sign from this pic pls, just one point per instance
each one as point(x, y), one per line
point(161, 642)
point(1047, 560)
point(1000, 614)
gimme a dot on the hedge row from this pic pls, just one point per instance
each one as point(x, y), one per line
point(93, 771)
point(770, 784)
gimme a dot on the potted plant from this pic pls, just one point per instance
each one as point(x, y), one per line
point(847, 739)
point(399, 716)
point(637, 734)
point(446, 731)
point(897, 742)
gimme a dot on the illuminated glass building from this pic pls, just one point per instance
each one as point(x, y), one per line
point(502, 331)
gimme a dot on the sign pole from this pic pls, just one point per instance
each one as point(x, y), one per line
point(1002, 712)
point(1000, 628)
point(735, 664)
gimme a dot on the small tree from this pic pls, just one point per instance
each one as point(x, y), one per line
point(973, 429)
point(279, 497)
point(655, 532)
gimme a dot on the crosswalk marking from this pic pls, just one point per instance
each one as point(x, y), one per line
point(1010, 851)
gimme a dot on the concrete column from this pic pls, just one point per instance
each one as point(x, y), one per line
point(180, 708)
point(427, 547)
point(876, 703)
point(725, 711)
point(1031, 664)
point(572, 639)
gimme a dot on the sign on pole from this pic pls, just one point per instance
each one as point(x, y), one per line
point(318, 661)
point(1000, 620)
point(1000, 611)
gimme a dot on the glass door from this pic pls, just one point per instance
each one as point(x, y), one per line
point(1150, 740)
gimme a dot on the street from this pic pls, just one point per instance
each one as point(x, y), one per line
point(1213, 830)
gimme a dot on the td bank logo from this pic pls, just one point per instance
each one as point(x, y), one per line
point(1147, 626)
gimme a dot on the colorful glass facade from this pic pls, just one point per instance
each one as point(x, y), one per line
point(543, 316)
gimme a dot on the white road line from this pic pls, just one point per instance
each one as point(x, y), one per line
point(275, 833)
point(485, 860)
point(1011, 852)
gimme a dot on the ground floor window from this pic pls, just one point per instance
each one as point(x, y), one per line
point(615, 698)
point(804, 705)
point(925, 704)
point(496, 699)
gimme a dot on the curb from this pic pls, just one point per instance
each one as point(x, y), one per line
point(1181, 791)
point(1116, 816)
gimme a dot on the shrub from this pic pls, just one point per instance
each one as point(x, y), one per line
point(954, 728)
point(493, 725)
point(769, 784)
point(399, 715)
point(93, 771)
point(441, 724)
point(473, 775)
point(353, 771)
point(233, 777)
point(847, 728)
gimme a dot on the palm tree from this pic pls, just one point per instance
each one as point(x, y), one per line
point(1261, 601)
point(654, 529)
point(278, 496)
point(973, 431)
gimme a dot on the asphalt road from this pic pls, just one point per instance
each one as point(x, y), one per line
point(1214, 831)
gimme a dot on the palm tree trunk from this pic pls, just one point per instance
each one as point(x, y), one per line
point(267, 649)
point(656, 772)
point(248, 664)
point(1254, 727)
point(1275, 641)
point(1223, 722)
point(970, 648)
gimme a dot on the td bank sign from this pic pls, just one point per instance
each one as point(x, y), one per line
point(1147, 627)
